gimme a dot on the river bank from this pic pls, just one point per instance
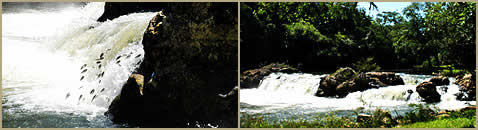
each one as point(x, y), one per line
point(420, 117)
point(273, 96)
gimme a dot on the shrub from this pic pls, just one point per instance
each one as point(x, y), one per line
point(365, 65)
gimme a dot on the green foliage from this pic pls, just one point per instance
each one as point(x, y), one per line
point(425, 35)
point(301, 33)
point(444, 123)
point(421, 116)
point(451, 71)
point(279, 65)
point(366, 65)
point(451, 28)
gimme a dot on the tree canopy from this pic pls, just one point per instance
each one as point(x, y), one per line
point(323, 36)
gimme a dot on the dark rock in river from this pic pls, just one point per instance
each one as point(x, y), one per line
point(345, 88)
point(340, 83)
point(327, 86)
point(346, 80)
point(344, 74)
point(440, 80)
point(252, 78)
point(467, 87)
point(427, 90)
point(190, 58)
point(386, 78)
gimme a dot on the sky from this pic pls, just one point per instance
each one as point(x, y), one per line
point(384, 6)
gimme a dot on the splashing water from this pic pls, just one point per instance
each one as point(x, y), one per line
point(291, 96)
point(44, 55)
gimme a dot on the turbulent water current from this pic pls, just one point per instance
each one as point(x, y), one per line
point(62, 68)
point(291, 96)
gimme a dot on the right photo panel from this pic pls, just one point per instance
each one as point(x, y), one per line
point(358, 64)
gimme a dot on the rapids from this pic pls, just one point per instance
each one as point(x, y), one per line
point(44, 50)
point(291, 96)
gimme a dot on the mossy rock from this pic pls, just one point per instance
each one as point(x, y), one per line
point(344, 74)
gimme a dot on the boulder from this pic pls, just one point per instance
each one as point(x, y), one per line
point(127, 106)
point(375, 82)
point(252, 78)
point(386, 78)
point(327, 86)
point(346, 80)
point(345, 88)
point(337, 84)
point(467, 87)
point(440, 80)
point(427, 90)
point(362, 82)
point(344, 74)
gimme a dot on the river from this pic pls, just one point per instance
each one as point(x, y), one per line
point(283, 96)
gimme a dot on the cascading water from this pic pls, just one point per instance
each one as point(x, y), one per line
point(64, 65)
point(291, 96)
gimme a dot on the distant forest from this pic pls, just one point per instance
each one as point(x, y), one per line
point(323, 36)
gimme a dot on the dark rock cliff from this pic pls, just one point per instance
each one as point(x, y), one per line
point(189, 68)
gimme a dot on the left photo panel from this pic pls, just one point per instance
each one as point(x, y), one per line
point(117, 65)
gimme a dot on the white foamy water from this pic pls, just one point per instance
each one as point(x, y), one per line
point(286, 95)
point(43, 51)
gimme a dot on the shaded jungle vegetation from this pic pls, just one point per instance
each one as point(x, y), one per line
point(422, 38)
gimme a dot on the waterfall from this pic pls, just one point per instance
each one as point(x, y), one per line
point(44, 53)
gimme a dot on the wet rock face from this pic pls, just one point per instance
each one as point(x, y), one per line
point(252, 78)
point(440, 80)
point(116, 9)
point(427, 90)
point(467, 87)
point(190, 59)
point(127, 106)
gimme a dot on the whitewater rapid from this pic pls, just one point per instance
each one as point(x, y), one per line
point(43, 51)
point(281, 95)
